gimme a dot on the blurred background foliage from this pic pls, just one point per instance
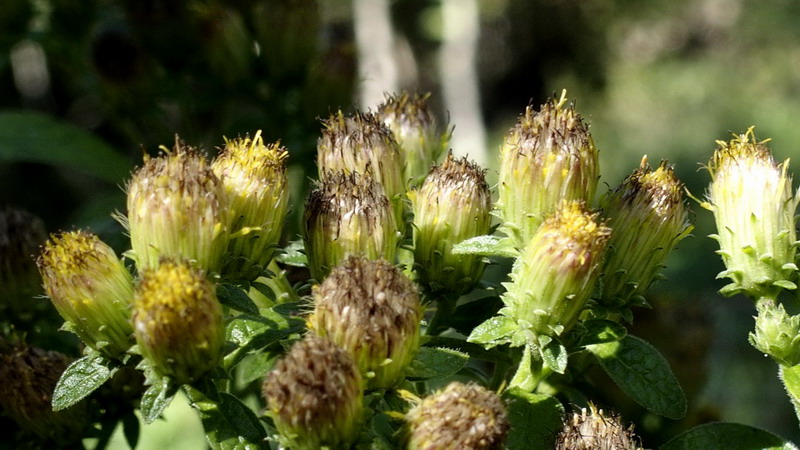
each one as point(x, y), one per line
point(87, 87)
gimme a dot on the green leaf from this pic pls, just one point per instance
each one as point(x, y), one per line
point(229, 424)
point(80, 379)
point(255, 366)
point(494, 331)
point(474, 351)
point(292, 254)
point(535, 419)
point(130, 428)
point(469, 315)
point(432, 362)
point(234, 297)
point(486, 245)
point(35, 137)
point(791, 381)
point(524, 379)
point(156, 398)
point(253, 332)
point(642, 373)
point(724, 436)
point(599, 331)
point(554, 356)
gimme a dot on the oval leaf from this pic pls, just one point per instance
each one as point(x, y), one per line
point(641, 372)
point(434, 362)
point(156, 398)
point(486, 245)
point(234, 297)
point(535, 419)
point(600, 331)
point(80, 379)
point(724, 436)
point(494, 331)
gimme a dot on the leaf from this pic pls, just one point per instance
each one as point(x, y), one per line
point(234, 297)
point(724, 436)
point(554, 356)
point(156, 398)
point(255, 366)
point(523, 378)
point(130, 428)
point(229, 424)
point(292, 254)
point(80, 379)
point(487, 245)
point(469, 315)
point(599, 331)
point(790, 376)
point(253, 332)
point(35, 137)
point(535, 419)
point(642, 373)
point(494, 331)
point(474, 351)
point(432, 362)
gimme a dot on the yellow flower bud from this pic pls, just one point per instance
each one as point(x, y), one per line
point(176, 209)
point(253, 176)
point(373, 311)
point(177, 321)
point(314, 396)
point(90, 288)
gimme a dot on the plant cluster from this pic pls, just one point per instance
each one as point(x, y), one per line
point(391, 333)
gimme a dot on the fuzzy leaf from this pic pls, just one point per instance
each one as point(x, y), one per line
point(80, 379)
point(253, 332)
point(156, 398)
point(229, 424)
point(642, 373)
point(535, 419)
point(724, 436)
point(554, 356)
point(486, 245)
point(234, 297)
point(494, 331)
point(433, 362)
point(292, 254)
point(791, 381)
point(600, 331)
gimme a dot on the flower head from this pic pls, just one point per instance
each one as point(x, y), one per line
point(177, 321)
point(253, 176)
point(461, 416)
point(347, 214)
point(373, 311)
point(556, 272)
point(751, 198)
point(90, 288)
point(314, 395)
point(176, 209)
point(549, 156)
point(593, 429)
point(453, 204)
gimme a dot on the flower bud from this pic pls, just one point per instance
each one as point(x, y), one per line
point(777, 334)
point(592, 430)
point(649, 217)
point(253, 176)
point(347, 214)
point(751, 197)
point(177, 321)
point(314, 395)
point(453, 204)
point(373, 311)
point(28, 376)
point(414, 128)
point(362, 143)
point(90, 288)
point(556, 272)
point(176, 210)
point(462, 416)
point(21, 234)
point(549, 156)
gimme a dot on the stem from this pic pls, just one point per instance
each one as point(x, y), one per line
point(445, 306)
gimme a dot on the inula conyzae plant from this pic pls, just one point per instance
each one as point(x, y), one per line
point(412, 311)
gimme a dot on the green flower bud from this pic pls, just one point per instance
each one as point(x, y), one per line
point(556, 272)
point(347, 215)
point(90, 288)
point(373, 311)
point(777, 334)
point(21, 234)
point(751, 197)
point(453, 204)
point(177, 321)
point(362, 143)
point(592, 430)
point(462, 416)
point(314, 395)
point(414, 128)
point(29, 375)
point(549, 156)
point(253, 176)
point(649, 217)
point(176, 210)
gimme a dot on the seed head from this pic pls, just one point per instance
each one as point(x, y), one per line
point(177, 321)
point(373, 311)
point(90, 288)
point(177, 209)
point(751, 198)
point(453, 204)
point(594, 430)
point(253, 176)
point(347, 214)
point(314, 395)
point(556, 272)
point(548, 157)
point(462, 416)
